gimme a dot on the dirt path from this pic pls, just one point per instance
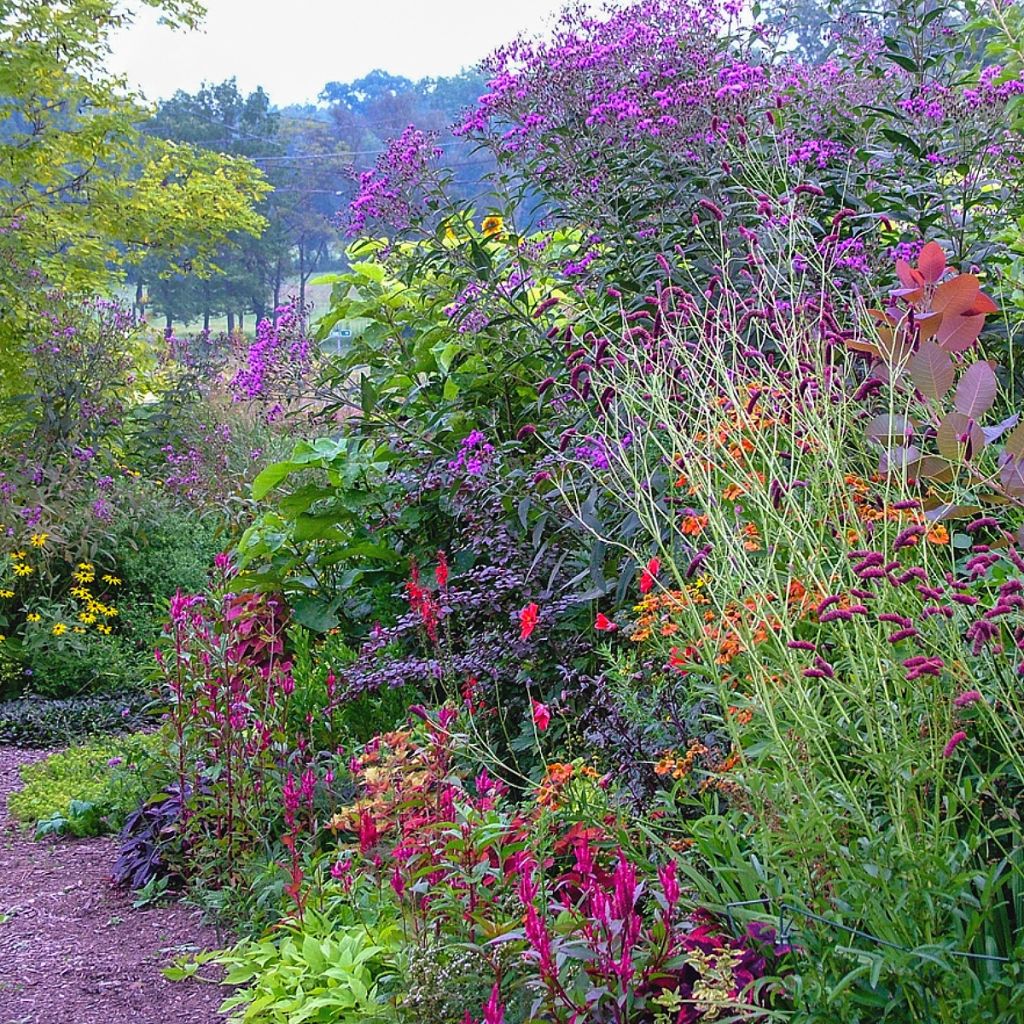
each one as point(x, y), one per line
point(72, 950)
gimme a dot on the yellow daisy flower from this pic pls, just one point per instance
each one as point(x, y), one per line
point(59, 629)
point(493, 227)
point(104, 629)
point(37, 540)
point(6, 593)
point(87, 618)
point(23, 570)
point(33, 617)
point(79, 629)
point(112, 580)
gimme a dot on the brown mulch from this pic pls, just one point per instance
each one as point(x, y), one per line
point(72, 949)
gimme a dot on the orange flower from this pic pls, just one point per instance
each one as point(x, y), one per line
point(753, 537)
point(693, 526)
point(732, 492)
point(937, 535)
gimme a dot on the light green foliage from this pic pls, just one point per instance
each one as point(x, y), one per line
point(319, 973)
point(83, 190)
point(79, 791)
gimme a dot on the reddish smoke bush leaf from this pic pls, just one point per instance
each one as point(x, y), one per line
point(953, 439)
point(992, 434)
point(910, 278)
point(1015, 443)
point(890, 430)
point(900, 459)
point(931, 264)
point(932, 370)
point(959, 333)
point(976, 392)
point(1011, 475)
point(957, 296)
point(938, 513)
point(930, 467)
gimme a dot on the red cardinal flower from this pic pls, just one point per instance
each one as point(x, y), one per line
point(541, 715)
point(604, 624)
point(441, 571)
point(648, 576)
point(528, 620)
point(678, 659)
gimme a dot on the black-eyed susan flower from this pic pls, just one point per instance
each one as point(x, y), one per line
point(37, 540)
point(20, 569)
point(59, 629)
point(493, 226)
point(33, 617)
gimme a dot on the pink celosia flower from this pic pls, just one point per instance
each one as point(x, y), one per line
point(494, 1010)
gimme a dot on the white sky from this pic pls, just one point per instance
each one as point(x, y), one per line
point(292, 47)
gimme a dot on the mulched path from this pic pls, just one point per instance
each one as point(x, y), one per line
point(72, 949)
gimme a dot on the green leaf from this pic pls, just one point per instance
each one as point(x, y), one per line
point(315, 614)
point(268, 478)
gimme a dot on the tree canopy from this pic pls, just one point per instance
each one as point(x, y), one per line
point(83, 191)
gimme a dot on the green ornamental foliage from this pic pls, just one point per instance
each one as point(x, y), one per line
point(87, 789)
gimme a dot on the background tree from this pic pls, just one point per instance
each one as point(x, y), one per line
point(221, 119)
point(83, 192)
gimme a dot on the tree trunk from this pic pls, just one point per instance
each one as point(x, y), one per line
point(302, 279)
point(241, 319)
point(169, 323)
point(206, 306)
point(139, 308)
point(231, 322)
point(277, 290)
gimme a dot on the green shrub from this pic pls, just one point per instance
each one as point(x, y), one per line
point(87, 789)
point(58, 667)
point(163, 547)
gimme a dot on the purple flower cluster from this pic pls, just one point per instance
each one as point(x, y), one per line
point(277, 360)
point(474, 455)
point(464, 311)
point(389, 192)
